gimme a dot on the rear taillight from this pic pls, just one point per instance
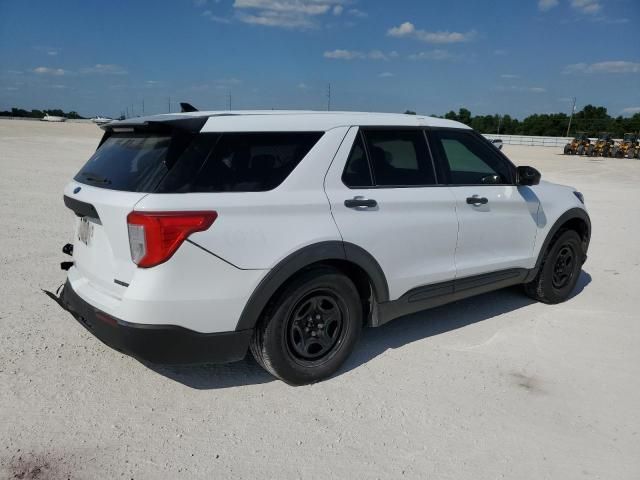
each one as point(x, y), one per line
point(155, 236)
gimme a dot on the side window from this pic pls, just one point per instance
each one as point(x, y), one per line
point(252, 162)
point(399, 157)
point(357, 173)
point(471, 161)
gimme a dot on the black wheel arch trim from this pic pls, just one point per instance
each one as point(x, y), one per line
point(300, 259)
point(571, 214)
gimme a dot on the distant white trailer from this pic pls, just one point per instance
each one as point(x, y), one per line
point(99, 120)
point(53, 118)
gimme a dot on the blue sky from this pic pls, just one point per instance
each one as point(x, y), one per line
point(517, 57)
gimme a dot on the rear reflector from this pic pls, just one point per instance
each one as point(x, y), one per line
point(155, 236)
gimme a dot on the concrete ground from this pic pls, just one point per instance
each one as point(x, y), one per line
point(493, 387)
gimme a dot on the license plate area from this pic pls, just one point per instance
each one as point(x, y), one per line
point(85, 231)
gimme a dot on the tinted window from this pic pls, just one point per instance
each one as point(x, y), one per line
point(399, 157)
point(131, 162)
point(357, 172)
point(251, 162)
point(471, 161)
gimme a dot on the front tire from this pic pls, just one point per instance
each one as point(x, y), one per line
point(310, 327)
point(559, 271)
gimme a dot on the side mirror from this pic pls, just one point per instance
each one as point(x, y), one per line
point(527, 176)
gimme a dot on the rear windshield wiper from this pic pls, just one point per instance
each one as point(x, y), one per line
point(96, 178)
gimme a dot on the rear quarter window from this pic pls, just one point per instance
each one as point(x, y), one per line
point(245, 162)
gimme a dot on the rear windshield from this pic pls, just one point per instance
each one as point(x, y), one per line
point(210, 162)
point(127, 162)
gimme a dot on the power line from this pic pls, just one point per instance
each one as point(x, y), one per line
point(573, 109)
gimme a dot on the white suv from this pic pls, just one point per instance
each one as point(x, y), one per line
point(202, 235)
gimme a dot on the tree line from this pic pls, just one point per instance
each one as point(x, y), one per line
point(56, 112)
point(591, 119)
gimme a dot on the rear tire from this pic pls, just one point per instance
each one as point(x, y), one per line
point(310, 327)
point(567, 149)
point(559, 270)
point(580, 150)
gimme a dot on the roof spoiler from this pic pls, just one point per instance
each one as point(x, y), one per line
point(187, 107)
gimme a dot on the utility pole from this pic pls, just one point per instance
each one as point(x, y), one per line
point(499, 123)
point(329, 97)
point(573, 109)
point(127, 112)
point(132, 114)
point(143, 107)
point(169, 100)
point(229, 97)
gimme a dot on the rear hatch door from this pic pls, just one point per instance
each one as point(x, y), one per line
point(129, 164)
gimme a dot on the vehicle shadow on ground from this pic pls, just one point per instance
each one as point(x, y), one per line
point(374, 341)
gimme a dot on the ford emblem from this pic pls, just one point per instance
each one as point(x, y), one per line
point(77, 189)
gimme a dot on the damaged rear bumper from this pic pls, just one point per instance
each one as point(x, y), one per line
point(161, 344)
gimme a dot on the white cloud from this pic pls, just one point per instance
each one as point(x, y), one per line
point(49, 71)
point(104, 69)
point(509, 76)
point(589, 7)
point(436, 54)
point(514, 88)
point(51, 51)
point(215, 18)
point(303, 86)
point(357, 13)
point(408, 29)
point(386, 75)
point(631, 110)
point(286, 13)
point(544, 5)
point(610, 66)
point(341, 54)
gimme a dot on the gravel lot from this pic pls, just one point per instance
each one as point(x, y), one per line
point(492, 387)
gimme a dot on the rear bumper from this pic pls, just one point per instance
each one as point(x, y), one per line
point(162, 344)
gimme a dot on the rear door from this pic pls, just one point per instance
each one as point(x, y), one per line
point(498, 220)
point(386, 199)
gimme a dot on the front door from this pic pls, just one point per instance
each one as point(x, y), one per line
point(498, 220)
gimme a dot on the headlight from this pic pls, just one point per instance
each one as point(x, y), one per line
point(580, 196)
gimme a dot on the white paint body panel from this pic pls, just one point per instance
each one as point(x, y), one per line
point(498, 235)
point(193, 289)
